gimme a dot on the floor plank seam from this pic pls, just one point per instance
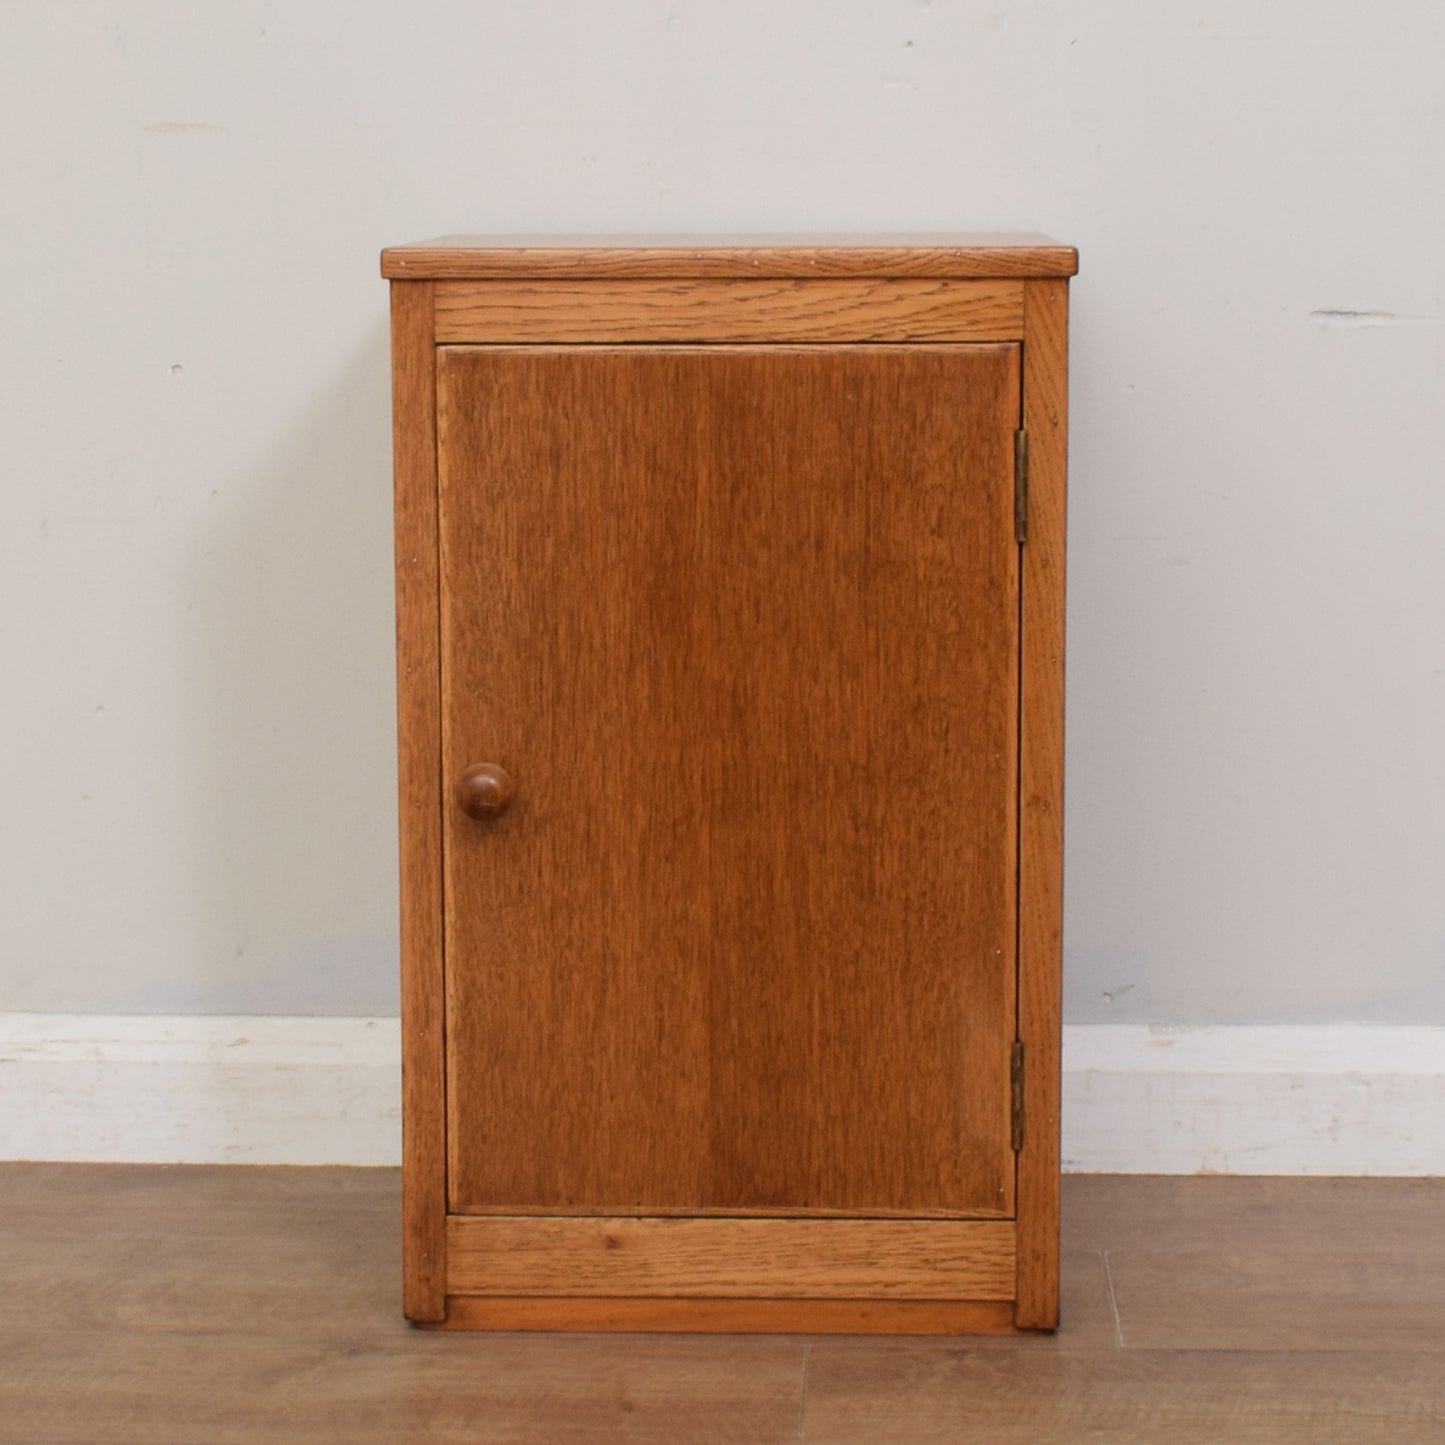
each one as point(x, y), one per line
point(1113, 1300)
point(803, 1402)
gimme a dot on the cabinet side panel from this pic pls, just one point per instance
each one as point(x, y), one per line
point(419, 740)
point(1041, 799)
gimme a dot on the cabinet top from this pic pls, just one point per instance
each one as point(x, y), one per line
point(985, 254)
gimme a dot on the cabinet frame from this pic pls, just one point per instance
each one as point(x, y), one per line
point(839, 289)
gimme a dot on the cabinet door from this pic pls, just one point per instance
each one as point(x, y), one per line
point(741, 623)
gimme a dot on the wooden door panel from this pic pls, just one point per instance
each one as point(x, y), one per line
point(742, 624)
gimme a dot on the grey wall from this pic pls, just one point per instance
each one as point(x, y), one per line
point(196, 712)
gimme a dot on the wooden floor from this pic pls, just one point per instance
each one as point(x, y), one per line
point(212, 1305)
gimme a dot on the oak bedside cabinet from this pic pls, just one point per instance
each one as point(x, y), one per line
point(730, 595)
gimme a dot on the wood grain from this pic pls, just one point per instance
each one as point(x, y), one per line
point(244, 1306)
point(741, 625)
point(1269, 1264)
point(934, 1394)
point(147, 1248)
point(1364, 1220)
point(777, 310)
point(1041, 797)
point(334, 1377)
point(783, 713)
point(734, 1316)
point(732, 1258)
point(1240, 1295)
point(419, 739)
point(959, 255)
point(704, 1211)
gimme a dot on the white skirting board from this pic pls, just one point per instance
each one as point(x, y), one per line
point(190, 1089)
point(1287, 1099)
point(1318, 1099)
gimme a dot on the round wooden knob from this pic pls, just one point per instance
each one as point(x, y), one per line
point(484, 791)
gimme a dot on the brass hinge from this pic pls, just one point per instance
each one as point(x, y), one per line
point(1021, 485)
point(1016, 1087)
